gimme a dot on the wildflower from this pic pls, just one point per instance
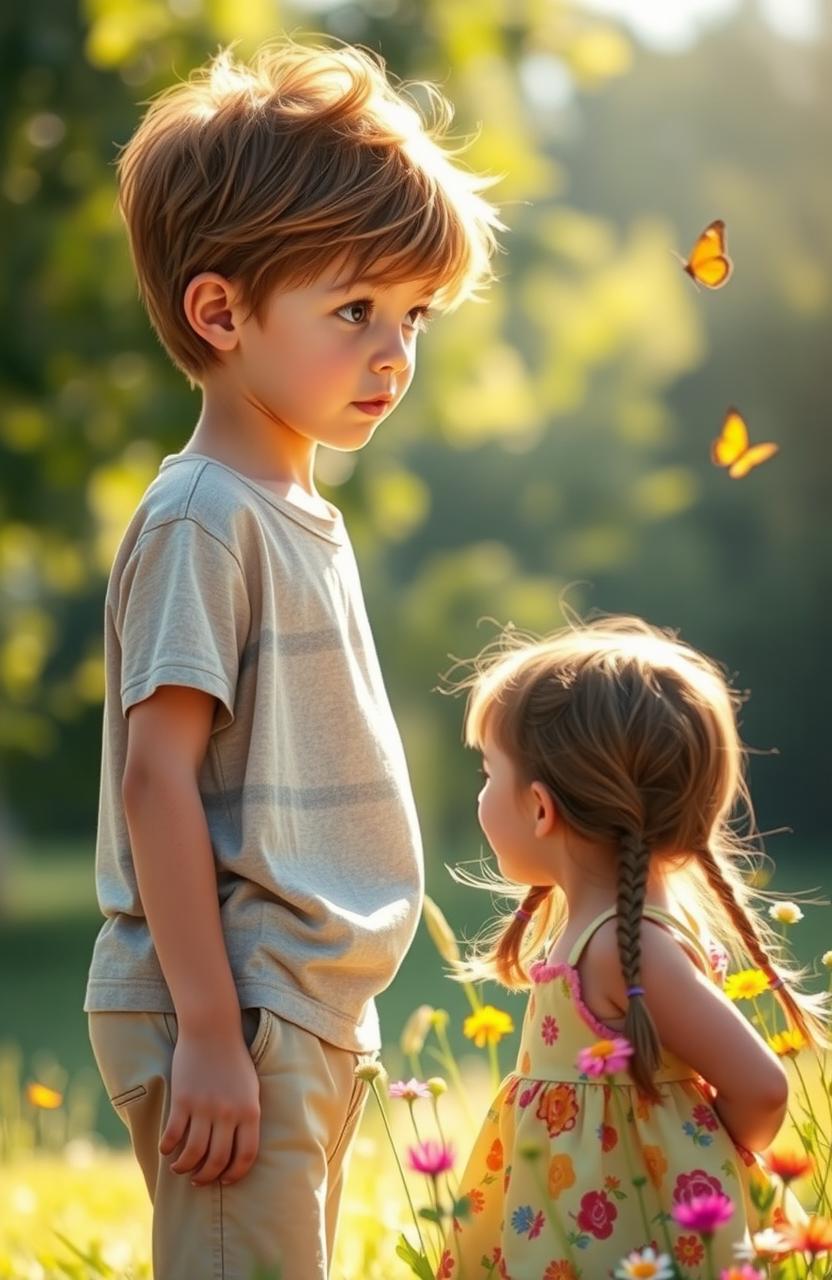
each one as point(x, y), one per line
point(431, 1158)
point(415, 1030)
point(704, 1214)
point(605, 1057)
point(785, 912)
point(41, 1096)
point(410, 1090)
point(769, 1243)
point(788, 1043)
point(826, 959)
point(788, 1165)
point(813, 1236)
point(747, 984)
point(440, 931)
point(439, 1019)
point(487, 1026)
point(741, 1273)
point(437, 1086)
point(656, 1266)
point(368, 1071)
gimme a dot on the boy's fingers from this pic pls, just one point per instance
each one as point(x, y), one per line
point(174, 1131)
point(219, 1152)
point(195, 1148)
point(246, 1146)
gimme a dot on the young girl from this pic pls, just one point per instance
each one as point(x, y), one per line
point(612, 765)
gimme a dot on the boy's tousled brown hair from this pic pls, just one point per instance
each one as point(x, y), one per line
point(634, 733)
point(268, 172)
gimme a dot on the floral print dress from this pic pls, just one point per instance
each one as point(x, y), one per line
point(609, 1166)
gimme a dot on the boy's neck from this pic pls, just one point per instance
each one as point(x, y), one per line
point(266, 451)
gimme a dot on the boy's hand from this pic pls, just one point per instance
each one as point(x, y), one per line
point(215, 1107)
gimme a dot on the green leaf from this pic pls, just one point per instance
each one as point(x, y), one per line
point(414, 1258)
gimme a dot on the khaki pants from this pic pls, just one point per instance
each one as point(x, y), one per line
point(284, 1211)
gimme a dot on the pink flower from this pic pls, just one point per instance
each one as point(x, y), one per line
point(704, 1214)
point(549, 1029)
point(409, 1089)
point(605, 1057)
point(431, 1158)
point(746, 1272)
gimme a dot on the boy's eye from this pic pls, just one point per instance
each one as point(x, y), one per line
point(352, 307)
point(424, 316)
point(364, 306)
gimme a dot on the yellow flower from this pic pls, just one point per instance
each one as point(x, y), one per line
point(487, 1026)
point(437, 1086)
point(788, 1043)
point(745, 985)
point(785, 912)
point(826, 959)
point(439, 1019)
point(40, 1096)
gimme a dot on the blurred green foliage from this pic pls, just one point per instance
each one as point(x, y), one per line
point(556, 437)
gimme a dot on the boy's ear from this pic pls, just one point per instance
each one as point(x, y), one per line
point(209, 306)
point(545, 813)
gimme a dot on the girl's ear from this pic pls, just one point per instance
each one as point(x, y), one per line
point(544, 810)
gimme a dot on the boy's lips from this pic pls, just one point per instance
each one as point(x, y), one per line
point(374, 407)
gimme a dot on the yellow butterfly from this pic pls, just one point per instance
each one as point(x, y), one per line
point(731, 448)
point(709, 263)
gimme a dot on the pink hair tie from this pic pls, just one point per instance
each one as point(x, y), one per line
point(522, 914)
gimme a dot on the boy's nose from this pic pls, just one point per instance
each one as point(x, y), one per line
point(393, 356)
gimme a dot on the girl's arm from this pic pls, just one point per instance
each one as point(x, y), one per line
point(699, 1024)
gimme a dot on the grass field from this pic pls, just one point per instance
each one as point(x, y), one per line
point(81, 1181)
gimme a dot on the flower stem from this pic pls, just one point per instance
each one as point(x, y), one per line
point(450, 1064)
point(708, 1241)
point(495, 1065)
point(374, 1087)
point(622, 1120)
point(548, 1208)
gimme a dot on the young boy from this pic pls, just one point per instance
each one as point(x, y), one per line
point(258, 859)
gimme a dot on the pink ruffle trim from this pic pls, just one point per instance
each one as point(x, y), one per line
point(540, 971)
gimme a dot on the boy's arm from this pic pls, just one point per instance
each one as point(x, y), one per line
point(167, 739)
point(215, 1103)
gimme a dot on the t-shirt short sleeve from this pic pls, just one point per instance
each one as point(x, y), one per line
point(182, 616)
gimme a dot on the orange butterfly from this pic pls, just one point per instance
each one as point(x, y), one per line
point(709, 263)
point(731, 448)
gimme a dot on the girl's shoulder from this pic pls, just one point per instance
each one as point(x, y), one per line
point(664, 938)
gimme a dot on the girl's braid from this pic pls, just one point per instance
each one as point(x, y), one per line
point(639, 1028)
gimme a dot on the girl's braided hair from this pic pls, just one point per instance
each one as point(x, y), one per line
point(634, 733)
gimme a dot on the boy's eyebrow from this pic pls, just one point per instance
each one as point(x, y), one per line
point(349, 285)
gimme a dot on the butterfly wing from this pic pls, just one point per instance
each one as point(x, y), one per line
point(752, 458)
point(732, 441)
point(709, 263)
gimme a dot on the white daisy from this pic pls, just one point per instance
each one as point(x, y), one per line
point(645, 1265)
point(785, 912)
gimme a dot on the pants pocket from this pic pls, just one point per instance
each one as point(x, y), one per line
point(258, 1027)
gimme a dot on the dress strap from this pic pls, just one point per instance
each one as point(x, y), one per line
point(657, 913)
point(581, 941)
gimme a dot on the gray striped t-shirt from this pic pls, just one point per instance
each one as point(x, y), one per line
point(221, 584)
